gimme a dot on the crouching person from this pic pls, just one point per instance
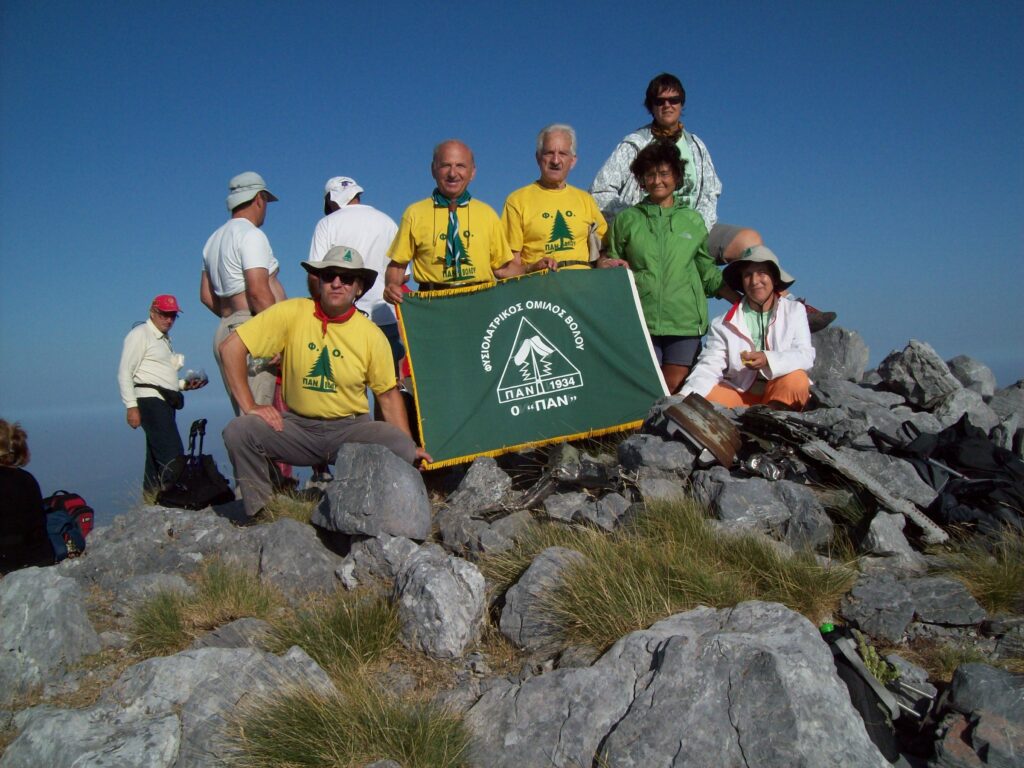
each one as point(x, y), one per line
point(759, 351)
point(330, 354)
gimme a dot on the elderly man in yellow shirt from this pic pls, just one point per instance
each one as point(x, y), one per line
point(451, 238)
point(551, 224)
point(331, 354)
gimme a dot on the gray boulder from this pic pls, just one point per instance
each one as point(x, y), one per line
point(375, 557)
point(460, 532)
point(750, 685)
point(240, 633)
point(441, 600)
point(293, 559)
point(160, 540)
point(839, 393)
point(950, 408)
point(980, 686)
point(565, 507)
point(43, 629)
point(879, 605)
point(896, 475)
point(838, 354)
point(938, 600)
point(1009, 401)
point(484, 486)
point(918, 373)
point(785, 510)
point(652, 451)
point(659, 485)
point(974, 375)
point(885, 539)
point(525, 619)
point(606, 512)
point(165, 712)
point(375, 492)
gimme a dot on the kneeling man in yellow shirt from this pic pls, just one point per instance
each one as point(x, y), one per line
point(331, 354)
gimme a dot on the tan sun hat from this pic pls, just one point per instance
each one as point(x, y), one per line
point(759, 254)
point(244, 187)
point(343, 257)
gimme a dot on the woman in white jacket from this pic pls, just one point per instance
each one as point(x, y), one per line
point(759, 351)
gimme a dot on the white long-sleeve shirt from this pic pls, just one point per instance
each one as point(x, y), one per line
point(147, 358)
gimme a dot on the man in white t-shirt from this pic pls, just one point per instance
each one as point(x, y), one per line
point(240, 275)
point(349, 222)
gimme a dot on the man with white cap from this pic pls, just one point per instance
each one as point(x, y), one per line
point(330, 353)
point(350, 222)
point(240, 275)
point(150, 387)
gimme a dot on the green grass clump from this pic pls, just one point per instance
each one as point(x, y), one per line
point(169, 621)
point(288, 505)
point(344, 632)
point(158, 625)
point(993, 574)
point(671, 560)
point(300, 728)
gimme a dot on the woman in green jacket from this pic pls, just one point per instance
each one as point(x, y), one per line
point(665, 243)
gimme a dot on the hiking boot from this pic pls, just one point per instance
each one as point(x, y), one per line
point(816, 319)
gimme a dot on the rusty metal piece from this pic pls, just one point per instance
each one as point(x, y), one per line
point(707, 428)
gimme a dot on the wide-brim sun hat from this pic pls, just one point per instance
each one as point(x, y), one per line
point(346, 258)
point(244, 187)
point(759, 254)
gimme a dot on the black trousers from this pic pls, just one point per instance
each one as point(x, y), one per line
point(163, 443)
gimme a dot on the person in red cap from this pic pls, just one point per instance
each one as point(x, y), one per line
point(150, 387)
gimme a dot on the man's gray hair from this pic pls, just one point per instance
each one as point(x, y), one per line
point(557, 128)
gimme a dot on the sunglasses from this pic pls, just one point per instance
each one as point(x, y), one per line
point(666, 100)
point(170, 315)
point(329, 276)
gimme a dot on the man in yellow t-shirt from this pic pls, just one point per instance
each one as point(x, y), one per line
point(451, 239)
point(331, 353)
point(550, 224)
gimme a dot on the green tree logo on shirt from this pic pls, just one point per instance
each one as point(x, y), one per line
point(320, 377)
point(561, 238)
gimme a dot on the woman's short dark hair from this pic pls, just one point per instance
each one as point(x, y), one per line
point(663, 82)
point(654, 155)
point(13, 445)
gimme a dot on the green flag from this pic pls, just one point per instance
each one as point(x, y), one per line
point(540, 359)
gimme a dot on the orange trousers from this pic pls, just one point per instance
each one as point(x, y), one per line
point(791, 392)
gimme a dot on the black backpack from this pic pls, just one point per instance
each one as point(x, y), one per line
point(194, 482)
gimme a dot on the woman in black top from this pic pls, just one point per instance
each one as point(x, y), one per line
point(23, 539)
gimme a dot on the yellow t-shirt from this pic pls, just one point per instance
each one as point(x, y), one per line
point(323, 376)
point(421, 240)
point(551, 222)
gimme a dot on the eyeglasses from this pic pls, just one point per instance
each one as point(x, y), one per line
point(347, 278)
point(662, 101)
point(658, 174)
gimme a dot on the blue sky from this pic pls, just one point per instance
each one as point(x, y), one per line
point(876, 146)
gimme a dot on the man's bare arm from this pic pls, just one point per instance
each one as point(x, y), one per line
point(510, 268)
point(393, 408)
point(394, 279)
point(206, 295)
point(233, 354)
point(258, 292)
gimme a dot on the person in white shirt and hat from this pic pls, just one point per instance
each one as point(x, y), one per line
point(239, 276)
point(759, 352)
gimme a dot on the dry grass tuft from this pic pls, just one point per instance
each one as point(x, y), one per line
point(288, 505)
point(992, 570)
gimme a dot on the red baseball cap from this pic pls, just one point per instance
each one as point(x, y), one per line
point(166, 303)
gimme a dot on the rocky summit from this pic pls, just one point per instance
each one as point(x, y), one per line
point(874, 469)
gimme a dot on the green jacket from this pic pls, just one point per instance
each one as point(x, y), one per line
point(667, 249)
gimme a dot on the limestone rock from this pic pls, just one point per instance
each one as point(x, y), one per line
point(375, 492)
point(896, 475)
point(974, 375)
point(918, 373)
point(293, 559)
point(441, 600)
point(885, 539)
point(939, 600)
point(950, 408)
point(483, 487)
point(750, 685)
point(879, 605)
point(565, 506)
point(1009, 401)
point(524, 620)
point(43, 628)
point(652, 451)
point(838, 354)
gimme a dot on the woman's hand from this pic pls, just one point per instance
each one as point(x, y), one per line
point(756, 361)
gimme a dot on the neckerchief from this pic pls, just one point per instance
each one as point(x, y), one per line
point(319, 314)
point(454, 250)
point(672, 134)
